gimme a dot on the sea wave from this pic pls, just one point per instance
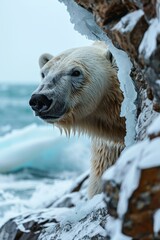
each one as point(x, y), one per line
point(43, 148)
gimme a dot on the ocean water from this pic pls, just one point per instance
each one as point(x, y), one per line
point(36, 161)
point(15, 111)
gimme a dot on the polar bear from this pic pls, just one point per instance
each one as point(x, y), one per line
point(80, 92)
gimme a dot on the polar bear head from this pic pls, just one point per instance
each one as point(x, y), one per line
point(74, 84)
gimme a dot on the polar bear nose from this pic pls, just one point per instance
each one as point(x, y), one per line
point(40, 103)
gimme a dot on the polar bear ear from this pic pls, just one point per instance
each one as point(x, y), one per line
point(109, 56)
point(111, 59)
point(44, 59)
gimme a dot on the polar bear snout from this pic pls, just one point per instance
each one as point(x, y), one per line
point(40, 103)
point(47, 109)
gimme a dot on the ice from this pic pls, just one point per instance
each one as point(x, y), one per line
point(44, 148)
point(156, 220)
point(128, 109)
point(128, 22)
point(86, 25)
point(149, 41)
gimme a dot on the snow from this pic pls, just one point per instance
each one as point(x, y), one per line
point(44, 148)
point(77, 217)
point(80, 222)
point(40, 217)
point(119, 170)
point(127, 172)
point(79, 179)
point(151, 155)
point(85, 25)
point(128, 22)
point(156, 222)
point(83, 208)
point(113, 228)
point(149, 41)
point(146, 117)
point(155, 127)
point(158, 82)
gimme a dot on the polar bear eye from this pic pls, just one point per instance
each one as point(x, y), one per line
point(75, 73)
point(42, 75)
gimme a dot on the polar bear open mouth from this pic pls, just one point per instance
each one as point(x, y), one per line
point(52, 115)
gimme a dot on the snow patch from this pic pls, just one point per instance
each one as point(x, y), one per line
point(158, 81)
point(127, 23)
point(149, 41)
point(154, 128)
point(156, 222)
point(83, 208)
point(113, 228)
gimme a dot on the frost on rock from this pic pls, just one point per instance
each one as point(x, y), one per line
point(128, 22)
point(146, 117)
point(86, 25)
point(149, 41)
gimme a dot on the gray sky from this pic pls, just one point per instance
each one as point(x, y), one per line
point(28, 29)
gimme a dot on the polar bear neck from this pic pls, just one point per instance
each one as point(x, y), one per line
point(105, 121)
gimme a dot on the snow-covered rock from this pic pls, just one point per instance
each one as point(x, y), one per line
point(81, 219)
point(132, 187)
